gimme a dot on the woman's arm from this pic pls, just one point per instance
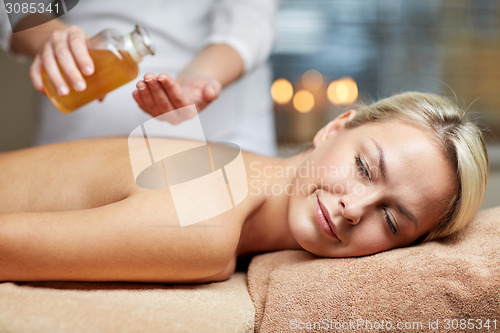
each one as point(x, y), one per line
point(241, 37)
point(248, 26)
point(218, 61)
point(31, 41)
point(130, 240)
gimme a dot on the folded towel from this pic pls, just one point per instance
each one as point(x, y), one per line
point(126, 307)
point(439, 286)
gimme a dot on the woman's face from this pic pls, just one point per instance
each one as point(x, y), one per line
point(369, 189)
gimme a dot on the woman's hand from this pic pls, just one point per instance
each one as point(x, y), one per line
point(158, 95)
point(68, 47)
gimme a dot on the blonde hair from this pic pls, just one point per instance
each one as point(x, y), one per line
point(462, 143)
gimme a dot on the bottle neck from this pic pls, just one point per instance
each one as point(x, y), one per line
point(138, 44)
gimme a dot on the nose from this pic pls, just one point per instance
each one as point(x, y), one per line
point(353, 207)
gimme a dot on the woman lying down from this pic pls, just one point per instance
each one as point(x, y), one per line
point(405, 169)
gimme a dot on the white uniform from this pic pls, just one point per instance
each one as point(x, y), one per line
point(179, 29)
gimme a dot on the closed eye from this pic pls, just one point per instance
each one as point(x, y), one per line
point(390, 223)
point(362, 168)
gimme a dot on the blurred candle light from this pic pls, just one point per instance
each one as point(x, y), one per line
point(282, 91)
point(312, 80)
point(342, 91)
point(303, 101)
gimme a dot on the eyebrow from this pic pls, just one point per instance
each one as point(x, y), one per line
point(381, 160)
point(406, 212)
point(383, 171)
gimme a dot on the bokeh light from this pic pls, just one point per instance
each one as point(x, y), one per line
point(303, 101)
point(342, 91)
point(312, 80)
point(282, 91)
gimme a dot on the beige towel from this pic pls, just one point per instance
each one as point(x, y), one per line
point(126, 307)
point(433, 287)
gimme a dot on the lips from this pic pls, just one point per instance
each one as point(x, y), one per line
point(323, 219)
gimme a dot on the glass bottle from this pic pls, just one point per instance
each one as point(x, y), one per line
point(116, 59)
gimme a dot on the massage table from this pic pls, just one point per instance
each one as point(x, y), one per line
point(439, 286)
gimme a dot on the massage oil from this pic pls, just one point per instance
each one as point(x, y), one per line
point(116, 61)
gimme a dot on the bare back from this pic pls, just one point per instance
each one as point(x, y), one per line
point(76, 205)
point(66, 176)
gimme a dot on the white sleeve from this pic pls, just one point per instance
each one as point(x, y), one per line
point(5, 30)
point(248, 26)
point(6, 35)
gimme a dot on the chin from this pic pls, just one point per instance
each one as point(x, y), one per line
point(307, 236)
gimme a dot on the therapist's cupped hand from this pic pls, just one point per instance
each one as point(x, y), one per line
point(68, 47)
point(160, 94)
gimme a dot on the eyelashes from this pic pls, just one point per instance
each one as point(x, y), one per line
point(364, 170)
point(389, 222)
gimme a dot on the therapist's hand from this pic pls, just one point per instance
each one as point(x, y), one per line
point(157, 95)
point(68, 47)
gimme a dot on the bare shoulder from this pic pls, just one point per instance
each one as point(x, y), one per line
point(206, 189)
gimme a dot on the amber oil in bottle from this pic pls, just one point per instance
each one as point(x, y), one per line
point(116, 61)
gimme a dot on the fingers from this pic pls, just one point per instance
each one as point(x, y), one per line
point(36, 74)
point(66, 58)
point(158, 95)
point(162, 101)
point(138, 98)
point(144, 98)
point(151, 97)
point(211, 91)
point(78, 44)
point(50, 66)
point(67, 48)
point(173, 90)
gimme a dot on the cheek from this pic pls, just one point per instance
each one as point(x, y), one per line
point(332, 173)
point(370, 240)
point(297, 210)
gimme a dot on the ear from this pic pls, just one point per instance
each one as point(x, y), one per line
point(333, 127)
